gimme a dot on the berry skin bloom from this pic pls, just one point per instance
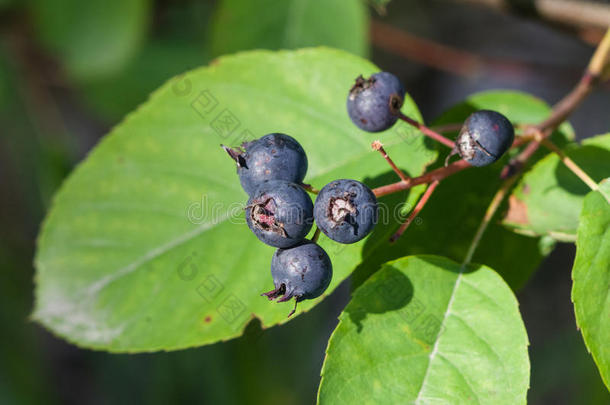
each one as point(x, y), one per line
point(303, 272)
point(373, 104)
point(346, 210)
point(273, 157)
point(280, 213)
point(484, 138)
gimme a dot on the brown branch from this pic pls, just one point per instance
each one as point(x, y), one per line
point(580, 13)
point(574, 13)
point(437, 174)
point(429, 177)
point(424, 51)
point(449, 59)
point(427, 131)
point(570, 102)
point(455, 127)
point(599, 62)
point(517, 163)
point(420, 205)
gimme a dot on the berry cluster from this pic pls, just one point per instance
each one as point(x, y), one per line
point(280, 213)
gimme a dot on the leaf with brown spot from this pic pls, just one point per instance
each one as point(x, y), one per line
point(549, 197)
point(517, 212)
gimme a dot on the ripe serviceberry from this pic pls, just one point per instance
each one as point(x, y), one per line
point(272, 157)
point(345, 210)
point(280, 213)
point(373, 104)
point(303, 272)
point(484, 138)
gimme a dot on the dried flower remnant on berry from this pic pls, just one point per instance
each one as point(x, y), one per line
point(280, 213)
point(345, 210)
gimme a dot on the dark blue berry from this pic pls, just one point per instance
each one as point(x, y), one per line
point(272, 157)
point(280, 213)
point(484, 138)
point(303, 272)
point(373, 104)
point(346, 210)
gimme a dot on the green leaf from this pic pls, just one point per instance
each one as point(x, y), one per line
point(424, 330)
point(451, 217)
point(591, 277)
point(549, 197)
point(250, 24)
point(146, 247)
point(92, 38)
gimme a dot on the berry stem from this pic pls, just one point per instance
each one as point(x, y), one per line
point(316, 235)
point(454, 127)
point(518, 162)
point(420, 205)
point(491, 210)
point(378, 146)
point(427, 131)
point(437, 174)
point(522, 136)
point(570, 164)
point(309, 188)
point(296, 302)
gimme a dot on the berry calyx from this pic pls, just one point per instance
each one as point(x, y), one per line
point(280, 213)
point(274, 156)
point(303, 272)
point(374, 104)
point(346, 210)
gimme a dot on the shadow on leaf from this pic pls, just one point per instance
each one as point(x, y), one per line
point(389, 290)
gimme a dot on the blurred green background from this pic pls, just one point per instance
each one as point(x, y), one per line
point(70, 70)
